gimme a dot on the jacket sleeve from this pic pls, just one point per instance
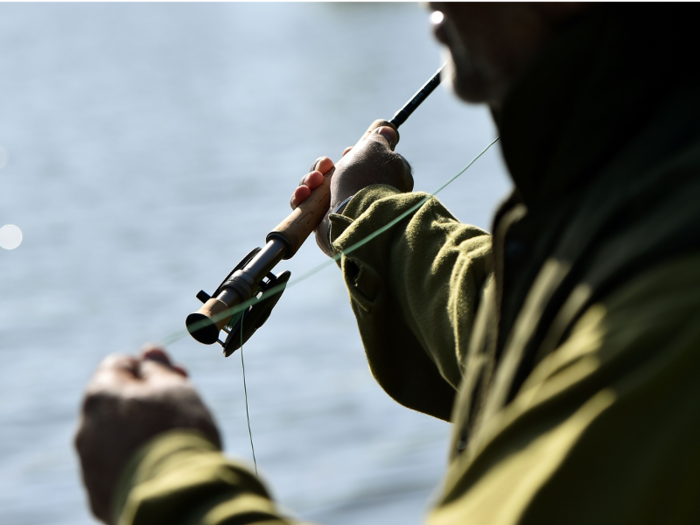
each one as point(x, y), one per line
point(414, 289)
point(181, 478)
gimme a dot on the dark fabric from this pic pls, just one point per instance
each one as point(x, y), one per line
point(601, 139)
point(579, 360)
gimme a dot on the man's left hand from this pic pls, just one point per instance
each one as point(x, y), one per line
point(129, 401)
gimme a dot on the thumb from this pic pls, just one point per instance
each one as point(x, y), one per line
point(389, 134)
point(382, 128)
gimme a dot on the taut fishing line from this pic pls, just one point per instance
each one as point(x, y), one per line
point(252, 289)
point(238, 312)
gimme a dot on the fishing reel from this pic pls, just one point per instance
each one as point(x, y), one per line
point(241, 326)
point(252, 282)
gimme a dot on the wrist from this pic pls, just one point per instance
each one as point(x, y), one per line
point(156, 456)
point(340, 207)
point(337, 210)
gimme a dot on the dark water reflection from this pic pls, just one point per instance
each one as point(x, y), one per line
point(149, 147)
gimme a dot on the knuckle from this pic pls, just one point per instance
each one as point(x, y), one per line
point(376, 147)
point(398, 162)
point(388, 158)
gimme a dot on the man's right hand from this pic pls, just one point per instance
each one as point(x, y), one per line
point(371, 161)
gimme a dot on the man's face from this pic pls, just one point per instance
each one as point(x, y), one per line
point(489, 44)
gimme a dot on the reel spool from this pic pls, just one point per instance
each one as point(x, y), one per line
point(240, 327)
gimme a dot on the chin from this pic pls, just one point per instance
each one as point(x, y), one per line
point(464, 81)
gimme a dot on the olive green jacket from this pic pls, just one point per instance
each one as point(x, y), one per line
point(565, 348)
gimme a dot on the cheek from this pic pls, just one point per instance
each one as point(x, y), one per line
point(460, 74)
point(449, 73)
point(459, 68)
point(473, 72)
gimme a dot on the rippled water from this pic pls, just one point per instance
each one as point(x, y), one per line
point(148, 148)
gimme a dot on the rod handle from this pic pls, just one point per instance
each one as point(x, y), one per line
point(299, 224)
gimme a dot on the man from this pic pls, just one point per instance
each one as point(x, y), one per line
point(565, 350)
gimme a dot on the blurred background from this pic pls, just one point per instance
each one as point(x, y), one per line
point(145, 148)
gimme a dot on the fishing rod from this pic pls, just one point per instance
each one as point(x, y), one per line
point(253, 276)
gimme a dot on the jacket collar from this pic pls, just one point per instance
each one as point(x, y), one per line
point(595, 86)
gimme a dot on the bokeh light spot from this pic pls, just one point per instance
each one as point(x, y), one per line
point(10, 237)
point(436, 17)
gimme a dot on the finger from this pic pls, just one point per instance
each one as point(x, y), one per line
point(115, 371)
point(300, 195)
point(324, 165)
point(379, 142)
point(377, 124)
point(156, 353)
point(383, 135)
point(316, 163)
point(389, 134)
point(153, 352)
point(181, 370)
point(121, 365)
point(314, 180)
point(308, 183)
point(347, 150)
point(152, 371)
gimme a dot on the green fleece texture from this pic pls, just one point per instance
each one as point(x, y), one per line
point(416, 316)
point(179, 477)
point(565, 348)
point(605, 429)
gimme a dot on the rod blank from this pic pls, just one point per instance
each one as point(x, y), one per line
point(417, 99)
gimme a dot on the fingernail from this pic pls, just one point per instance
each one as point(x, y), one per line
point(181, 370)
point(156, 354)
point(314, 166)
point(388, 133)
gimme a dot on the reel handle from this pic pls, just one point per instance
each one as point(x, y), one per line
point(299, 224)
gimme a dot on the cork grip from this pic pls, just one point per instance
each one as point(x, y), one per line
point(299, 224)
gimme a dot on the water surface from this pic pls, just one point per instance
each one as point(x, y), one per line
point(149, 147)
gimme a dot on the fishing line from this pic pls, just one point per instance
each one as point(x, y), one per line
point(238, 309)
point(245, 395)
point(238, 312)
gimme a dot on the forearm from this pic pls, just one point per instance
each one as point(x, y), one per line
point(414, 290)
point(181, 478)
